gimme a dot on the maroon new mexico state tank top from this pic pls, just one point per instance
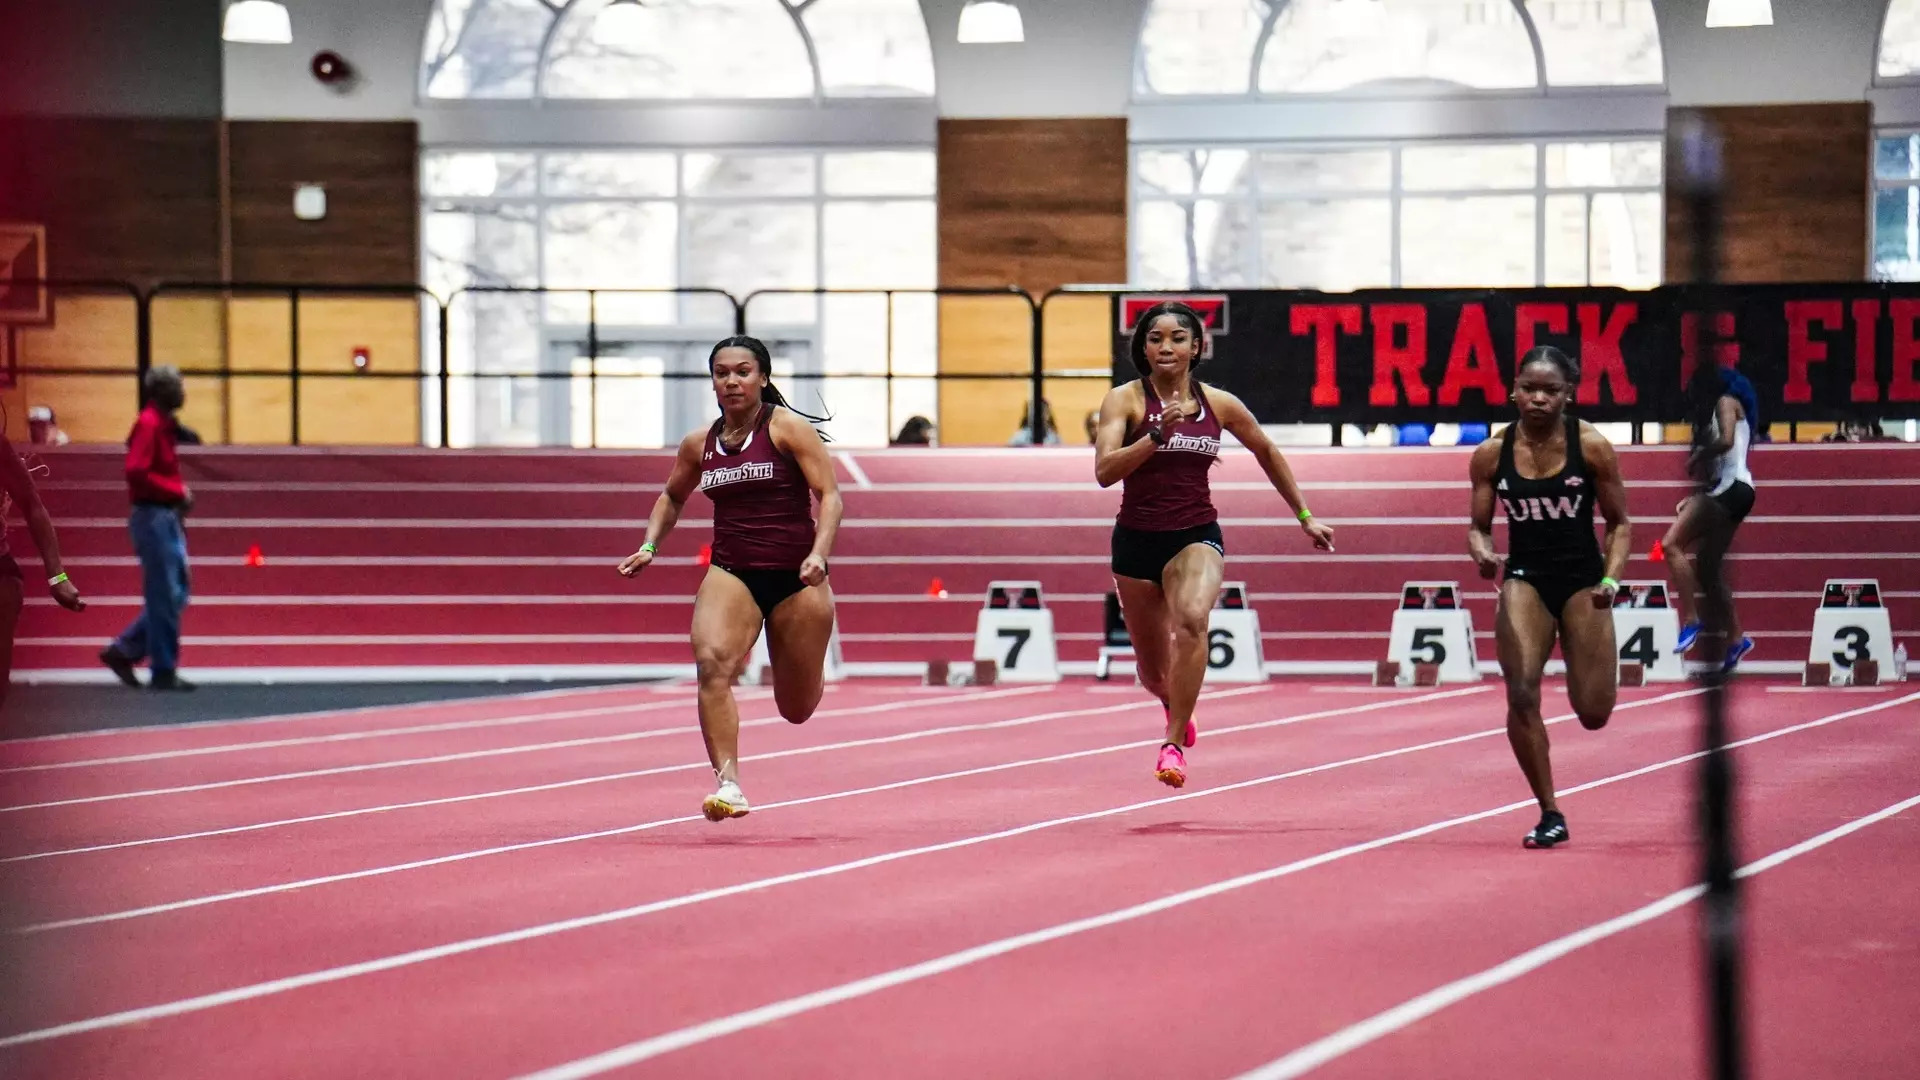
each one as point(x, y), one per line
point(1170, 491)
point(762, 506)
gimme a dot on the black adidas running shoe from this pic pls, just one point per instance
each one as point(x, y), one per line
point(1551, 830)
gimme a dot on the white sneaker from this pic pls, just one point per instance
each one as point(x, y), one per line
point(727, 802)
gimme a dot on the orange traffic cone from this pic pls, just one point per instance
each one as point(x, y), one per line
point(1658, 555)
point(706, 554)
point(936, 588)
point(254, 558)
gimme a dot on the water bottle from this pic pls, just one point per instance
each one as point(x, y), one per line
point(1900, 663)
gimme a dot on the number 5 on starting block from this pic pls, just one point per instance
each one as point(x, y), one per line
point(1849, 626)
point(1432, 628)
point(1015, 631)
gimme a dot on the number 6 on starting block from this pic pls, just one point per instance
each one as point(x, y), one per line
point(1849, 626)
point(1015, 631)
point(1432, 628)
point(1234, 654)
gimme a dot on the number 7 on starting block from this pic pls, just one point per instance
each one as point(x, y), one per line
point(1015, 631)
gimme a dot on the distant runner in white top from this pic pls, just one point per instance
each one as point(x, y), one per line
point(1707, 520)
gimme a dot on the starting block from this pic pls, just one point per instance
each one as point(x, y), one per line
point(1866, 673)
point(1850, 627)
point(1014, 631)
point(1234, 653)
point(1426, 674)
point(1646, 631)
point(937, 673)
point(944, 673)
point(1632, 674)
point(1817, 675)
point(1431, 630)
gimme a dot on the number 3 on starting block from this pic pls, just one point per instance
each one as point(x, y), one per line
point(1432, 628)
point(1015, 631)
point(1851, 625)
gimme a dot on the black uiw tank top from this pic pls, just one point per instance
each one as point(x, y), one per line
point(1550, 521)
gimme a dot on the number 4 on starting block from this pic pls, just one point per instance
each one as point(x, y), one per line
point(1015, 631)
point(1432, 628)
point(1646, 630)
point(1851, 625)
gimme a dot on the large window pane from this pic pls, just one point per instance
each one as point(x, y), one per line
point(477, 175)
point(747, 247)
point(1287, 172)
point(880, 172)
point(603, 174)
point(611, 245)
point(1327, 244)
point(706, 49)
point(483, 48)
point(1626, 230)
point(1198, 46)
point(1610, 164)
point(871, 48)
point(1565, 224)
point(1896, 233)
point(1599, 42)
point(724, 175)
point(1472, 241)
point(1330, 45)
point(880, 245)
point(1465, 167)
point(1897, 157)
point(1206, 242)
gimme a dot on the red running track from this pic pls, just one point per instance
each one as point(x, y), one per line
point(903, 900)
point(465, 559)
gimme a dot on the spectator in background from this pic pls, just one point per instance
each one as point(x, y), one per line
point(1024, 436)
point(917, 431)
point(160, 499)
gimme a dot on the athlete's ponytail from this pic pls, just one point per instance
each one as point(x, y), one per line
point(764, 359)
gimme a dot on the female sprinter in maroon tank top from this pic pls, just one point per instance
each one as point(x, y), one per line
point(759, 464)
point(1160, 435)
point(17, 490)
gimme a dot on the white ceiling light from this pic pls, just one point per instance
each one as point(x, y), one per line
point(1739, 13)
point(258, 22)
point(990, 22)
point(624, 23)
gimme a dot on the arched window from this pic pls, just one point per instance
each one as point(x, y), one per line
point(677, 50)
point(1900, 41)
point(1271, 47)
point(505, 205)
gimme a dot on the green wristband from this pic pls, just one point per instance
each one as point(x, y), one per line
point(1609, 583)
point(56, 580)
point(1303, 514)
point(648, 547)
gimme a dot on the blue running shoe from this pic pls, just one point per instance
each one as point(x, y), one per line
point(1736, 653)
point(1688, 635)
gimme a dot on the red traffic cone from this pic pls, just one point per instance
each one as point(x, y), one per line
point(706, 554)
point(936, 588)
point(1658, 555)
point(254, 558)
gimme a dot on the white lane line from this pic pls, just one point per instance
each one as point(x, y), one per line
point(380, 871)
point(695, 1034)
point(464, 755)
point(955, 729)
point(859, 474)
point(324, 714)
point(1380, 1025)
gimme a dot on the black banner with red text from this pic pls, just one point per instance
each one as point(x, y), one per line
point(1812, 352)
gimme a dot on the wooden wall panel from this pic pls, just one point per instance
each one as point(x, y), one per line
point(121, 199)
point(1798, 202)
point(1038, 204)
point(371, 233)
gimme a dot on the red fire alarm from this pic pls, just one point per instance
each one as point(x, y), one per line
point(362, 357)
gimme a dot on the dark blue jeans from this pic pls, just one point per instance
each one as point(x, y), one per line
point(161, 544)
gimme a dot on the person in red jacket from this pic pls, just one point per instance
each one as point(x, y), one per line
point(17, 490)
point(160, 499)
